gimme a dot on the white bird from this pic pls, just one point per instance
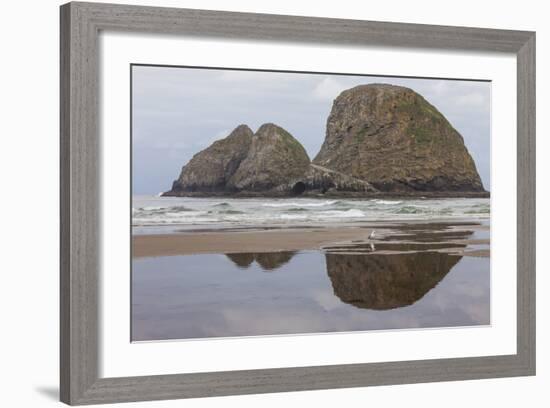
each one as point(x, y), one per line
point(371, 236)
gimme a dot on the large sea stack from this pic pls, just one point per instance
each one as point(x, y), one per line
point(209, 170)
point(380, 140)
point(393, 138)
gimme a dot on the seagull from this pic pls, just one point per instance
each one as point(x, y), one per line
point(371, 236)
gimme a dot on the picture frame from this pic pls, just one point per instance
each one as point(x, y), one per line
point(80, 154)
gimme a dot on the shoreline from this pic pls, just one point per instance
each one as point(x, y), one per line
point(274, 240)
point(302, 239)
point(329, 194)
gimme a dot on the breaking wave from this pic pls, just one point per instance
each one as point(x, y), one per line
point(183, 212)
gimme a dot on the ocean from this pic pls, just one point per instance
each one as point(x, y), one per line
point(165, 214)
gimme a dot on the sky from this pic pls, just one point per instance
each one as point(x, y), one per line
point(176, 112)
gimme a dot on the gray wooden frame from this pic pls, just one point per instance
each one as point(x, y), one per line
point(80, 158)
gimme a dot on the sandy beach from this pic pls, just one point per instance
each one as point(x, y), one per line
point(456, 237)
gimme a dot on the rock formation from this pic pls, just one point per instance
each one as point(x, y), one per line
point(380, 140)
point(244, 162)
point(274, 157)
point(209, 170)
point(319, 180)
point(393, 138)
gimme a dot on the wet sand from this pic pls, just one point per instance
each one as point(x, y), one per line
point(226, 242)
point(299, 239)
point(273, 281)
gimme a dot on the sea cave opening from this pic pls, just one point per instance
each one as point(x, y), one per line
point(298, 188)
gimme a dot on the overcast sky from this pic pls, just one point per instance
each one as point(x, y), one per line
point(180, 111)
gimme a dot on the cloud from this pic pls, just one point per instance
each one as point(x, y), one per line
point(221, 134)
point(472, 100)
point(327, 89)
point(170, 146)
point(440, 87)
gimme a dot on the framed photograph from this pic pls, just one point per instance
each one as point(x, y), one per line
point(259, 203)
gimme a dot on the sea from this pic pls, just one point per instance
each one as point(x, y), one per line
point(152, 214)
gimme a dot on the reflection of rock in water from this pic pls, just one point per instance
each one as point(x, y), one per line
point(387, 281)
point(241, 260)
point(268, 261)
point(273, 260)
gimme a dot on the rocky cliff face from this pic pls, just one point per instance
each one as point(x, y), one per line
point(210, 169)
point(274, 158)
point(391, 137)
point(322, 180)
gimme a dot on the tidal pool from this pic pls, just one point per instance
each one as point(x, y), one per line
point(274, 293)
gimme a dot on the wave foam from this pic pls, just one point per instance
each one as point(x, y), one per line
point(351, 213)
point(387, 202)
point(194, 211)
point(298, 204)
